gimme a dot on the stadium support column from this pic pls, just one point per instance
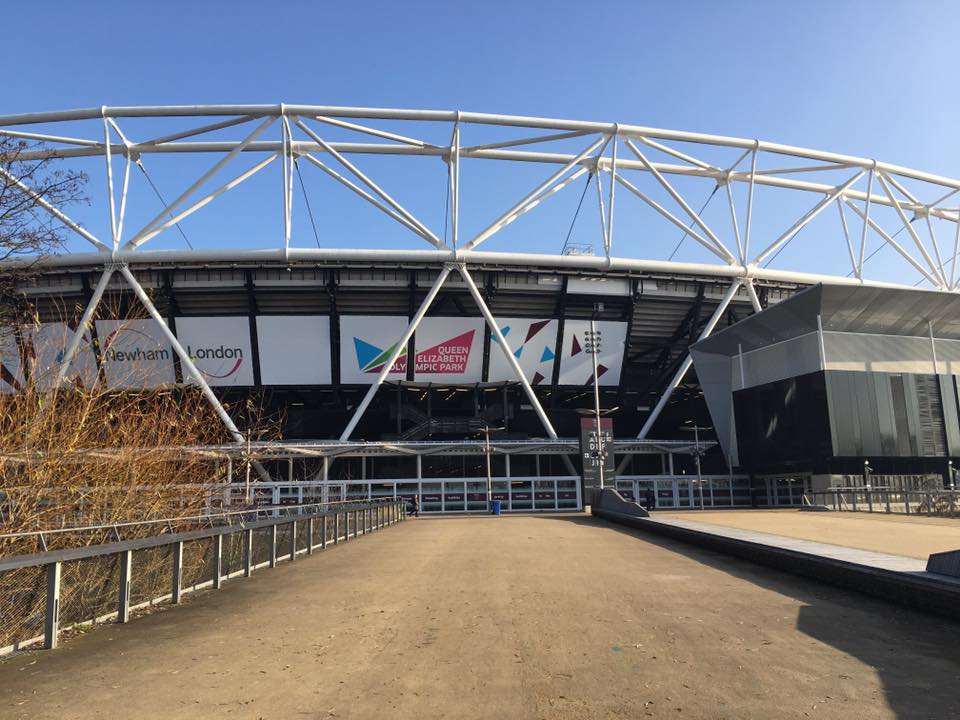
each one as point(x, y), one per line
point(507, 351)
point(395, 353)
point(85, 322)
point(688, 361)
point(187, 363)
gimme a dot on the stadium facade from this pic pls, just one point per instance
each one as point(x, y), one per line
point(415, 371)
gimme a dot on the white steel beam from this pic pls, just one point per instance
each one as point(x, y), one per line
point(141, 237)
point(522, 206)
point(749, 223)
point(437, 242)
point(893, 243)
point(86, 322)
point(680, 201)
point(366, 196)
point(909, 227)
point(688, 361)
point(752, 292)
point(507, 351)
point(185, 359)
point(372, 131)
point(670, 216)
point(807, 217)
point(52, 209)
point(846, 235)
point(398, 348)
point(174, 219)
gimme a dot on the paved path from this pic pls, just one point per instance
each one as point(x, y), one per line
point(909, 535)
point(512, 617)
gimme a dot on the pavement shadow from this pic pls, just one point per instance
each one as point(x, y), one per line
point(916, 655)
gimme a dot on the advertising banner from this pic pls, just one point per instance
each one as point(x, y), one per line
point(576, 365)
point(448, 350)
point(11, 374)
point(219, 347)
point(532, 342)
point(365, 344)
point(294, 349)
point(45, 347)
point(135, 354)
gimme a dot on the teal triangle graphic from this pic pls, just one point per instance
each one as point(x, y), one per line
point(516, 353)
point(504, 331)
point(547, 354)
point(365, 352)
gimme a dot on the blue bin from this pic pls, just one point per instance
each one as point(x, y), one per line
point(495, 507)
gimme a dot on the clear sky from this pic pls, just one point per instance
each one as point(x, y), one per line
point(873, 78)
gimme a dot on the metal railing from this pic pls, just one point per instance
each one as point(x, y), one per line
point(44, 593)
point(942, 503)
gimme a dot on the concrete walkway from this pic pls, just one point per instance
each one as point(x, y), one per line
point(511, 617)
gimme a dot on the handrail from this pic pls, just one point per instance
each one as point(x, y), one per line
point(360, 518)
point(167, 521)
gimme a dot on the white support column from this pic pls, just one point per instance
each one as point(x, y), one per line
point(397, 349)
point(187, 363)
point(752, 292)
point(688, 361)
point(85, 321)
point(507, 352)
point(749, 222)
point(866, 217)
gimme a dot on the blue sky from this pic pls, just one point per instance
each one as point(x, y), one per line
point(874, 78)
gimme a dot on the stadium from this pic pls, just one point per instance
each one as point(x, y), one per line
point(456, 357)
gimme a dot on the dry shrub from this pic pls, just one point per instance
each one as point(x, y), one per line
point(91, 456)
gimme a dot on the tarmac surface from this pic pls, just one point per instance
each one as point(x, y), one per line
point(510, 617)
point(909, 535)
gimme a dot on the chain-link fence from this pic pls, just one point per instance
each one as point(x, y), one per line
point(43, 593)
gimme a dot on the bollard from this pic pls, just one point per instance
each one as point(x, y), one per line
point(123, 604)
point(217, 550)
point(273, 546)
point(176, 582)
point(247, 552)
point(51, 618)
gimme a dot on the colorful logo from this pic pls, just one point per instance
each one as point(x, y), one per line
point(546, 352)
point(449, 357)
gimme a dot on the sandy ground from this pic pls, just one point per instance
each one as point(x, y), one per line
point(512, 617)
point(897, 534)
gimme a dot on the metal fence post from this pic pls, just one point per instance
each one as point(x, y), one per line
point(906, 496)
point(123, 605)
point(51, 618)
point(346, 525)
point(177, 579)
point(273, 546)
point(217, 550)
point(293, 540)
point(247, 552)
point(323, 528)
point(310, 536)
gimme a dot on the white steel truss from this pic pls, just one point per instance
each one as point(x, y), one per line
point(609, 154)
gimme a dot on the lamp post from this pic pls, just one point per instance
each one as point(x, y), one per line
point(593, 345)
point(696, 443)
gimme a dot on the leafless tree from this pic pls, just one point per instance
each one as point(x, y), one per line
point(27, 230)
